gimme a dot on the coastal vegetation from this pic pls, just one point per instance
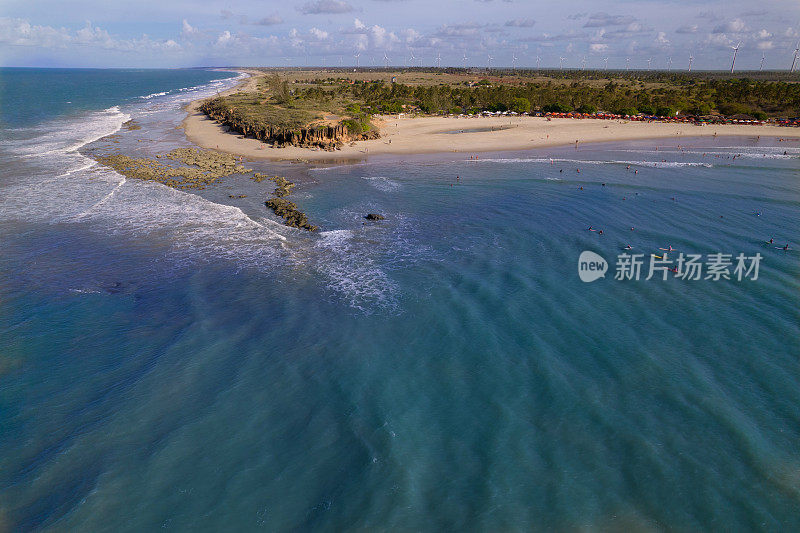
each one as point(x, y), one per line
point(327, 108)
point(735, 97)
point(323, 118)
point(371, 91)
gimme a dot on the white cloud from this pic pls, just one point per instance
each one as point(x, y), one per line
point(692, 28)
point(224, 38)
point(188, 31)
point(318, 34)
point(736, 25)
point(19, 32)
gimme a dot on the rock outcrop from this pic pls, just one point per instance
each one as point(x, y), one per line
point(325, 137)
point(284, 208)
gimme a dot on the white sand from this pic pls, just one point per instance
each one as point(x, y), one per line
point(416, 135)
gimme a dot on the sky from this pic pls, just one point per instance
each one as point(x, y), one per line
point(182, 33)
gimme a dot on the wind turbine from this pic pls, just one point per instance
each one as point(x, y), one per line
point(605, 63)
point(411, 59)
point(669, 63)
point(761, 68)
point(691, 59)
point(649, 62)
point(386, 60)
point(561, 63)
point(514, 61)
point(735, 51)
point(583, 63)
point(796, 50)
point(357, 55)
point(438, 60)
point(627, 64)
point(538, 59)
point(464, 59)
point(489, 59)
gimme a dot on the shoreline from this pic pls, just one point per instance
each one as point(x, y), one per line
point(410, 135)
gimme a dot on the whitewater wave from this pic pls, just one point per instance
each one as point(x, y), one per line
point(765, 152)
point(656, 164)
point(383, 183)
point(153, 95)
point(65, 136)
point(59, 185)
point(352, 273)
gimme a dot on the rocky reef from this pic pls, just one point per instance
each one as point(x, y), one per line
point(327, 137)
point(374, 216)
point(202, 167)
point(282, 207)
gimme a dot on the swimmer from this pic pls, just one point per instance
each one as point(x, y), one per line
point(629, 247)
point(669, 248)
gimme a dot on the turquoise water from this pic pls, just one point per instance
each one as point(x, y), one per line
point(34, 95)
point(186, 362)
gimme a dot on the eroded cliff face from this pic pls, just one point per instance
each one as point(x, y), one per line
point(325, 137)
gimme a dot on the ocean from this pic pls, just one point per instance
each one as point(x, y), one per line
point(182, 360)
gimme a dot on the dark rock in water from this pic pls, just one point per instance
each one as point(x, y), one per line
point(375, 216)
point(286, 209)
point(116, 288)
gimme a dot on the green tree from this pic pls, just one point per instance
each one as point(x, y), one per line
point(520, 105)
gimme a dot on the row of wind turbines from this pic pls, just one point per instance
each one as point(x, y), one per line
point(414, 60)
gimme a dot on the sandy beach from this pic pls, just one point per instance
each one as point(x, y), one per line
point(411, 134)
